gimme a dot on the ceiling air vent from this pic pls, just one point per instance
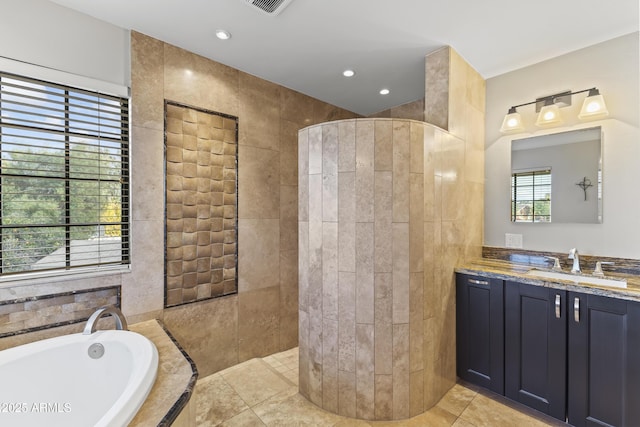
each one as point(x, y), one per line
point(269, 7)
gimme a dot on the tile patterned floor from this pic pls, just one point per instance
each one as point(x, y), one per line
point(264, 392)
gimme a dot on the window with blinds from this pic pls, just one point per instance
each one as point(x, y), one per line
point(64, 177)
point(531, 196)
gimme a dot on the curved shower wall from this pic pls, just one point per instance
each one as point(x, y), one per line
point(376, 258)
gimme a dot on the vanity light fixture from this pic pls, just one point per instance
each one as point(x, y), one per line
point(593, 107)
point(549, 114)
point(512, 122)
point(223, 34)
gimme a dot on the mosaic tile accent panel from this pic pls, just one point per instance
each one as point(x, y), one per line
point(32, 314)
point(201, 152)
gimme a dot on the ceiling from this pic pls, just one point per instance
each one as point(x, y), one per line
point(308, 45)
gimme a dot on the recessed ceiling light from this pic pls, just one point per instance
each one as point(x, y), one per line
point(223, 34)
point(348, 73)
point(384, 91)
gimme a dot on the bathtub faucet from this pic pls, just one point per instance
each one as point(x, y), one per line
point(92, 323)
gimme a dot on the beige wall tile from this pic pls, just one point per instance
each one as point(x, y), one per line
point(288, 299)
point(315, 355)
point(288, 217)
point(364, 170)
point(401, 167)
point(315, 150)
point(416, 393)
point(347, 323)
point(258, 323)
point(315, 198)
point(411, 110)
point(303, 265)
point(303, 175)
point(191, 324)
point(383, 145)
point(143, 289)
point(330, 365)
point(258, 183)
point(436, 100)
point(296, 107)
point(330, 172)
point(304, 367)
point(458, 102)
point(288, 152)
point(259, 107)
point(147, 80)
point(474, 158)
point(400, 273)
point(194, 80)
point(347, 146)
point(417, 147)
point(416, 224)
point(401, 378)
point(428, 172)
point(384, 397)
point(416, 324)
point(347, 221)
point(365, 377)
point(258, 254)
point(330, 270)
point(383, 205)
point(364, 273)
point(452, 178)
point(347, 394)
point(383, 323)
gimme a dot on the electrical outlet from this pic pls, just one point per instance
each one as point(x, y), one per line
point(513, 240)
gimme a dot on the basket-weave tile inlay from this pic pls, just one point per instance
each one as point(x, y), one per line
point(201, 204)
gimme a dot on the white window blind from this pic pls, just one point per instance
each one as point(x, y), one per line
point(64, 177)
point(531, 196)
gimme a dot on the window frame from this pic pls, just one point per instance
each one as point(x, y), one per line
point(122, 141)
point(533, 173)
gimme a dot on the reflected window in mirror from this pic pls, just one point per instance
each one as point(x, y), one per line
point(531, 196)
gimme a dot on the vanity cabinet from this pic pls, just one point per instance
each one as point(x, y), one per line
point(572, 355)
point(536, 347)
point(603, 361)
point(479, 329)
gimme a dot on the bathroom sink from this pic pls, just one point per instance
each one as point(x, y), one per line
point(589, 280)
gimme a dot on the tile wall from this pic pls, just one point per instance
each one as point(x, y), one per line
point(263, 317)
point(387, 209)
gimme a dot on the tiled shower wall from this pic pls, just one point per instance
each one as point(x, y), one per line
point(263, 317)
point(377, 290)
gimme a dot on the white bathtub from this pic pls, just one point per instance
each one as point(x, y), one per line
point(54, 382)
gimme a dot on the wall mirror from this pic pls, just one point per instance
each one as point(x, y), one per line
point(557, 177)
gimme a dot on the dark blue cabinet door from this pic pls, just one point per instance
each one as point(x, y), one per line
point(535, 347)
point(604, 361)
point(480, 331)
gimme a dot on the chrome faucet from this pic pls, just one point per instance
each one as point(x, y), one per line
point(573, 254)
point(92, 323)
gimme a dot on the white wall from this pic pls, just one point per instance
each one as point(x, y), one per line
point(49, 35)
point(612, 67)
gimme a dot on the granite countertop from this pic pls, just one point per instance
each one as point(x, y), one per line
point(175, 380)
point(506, 270)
